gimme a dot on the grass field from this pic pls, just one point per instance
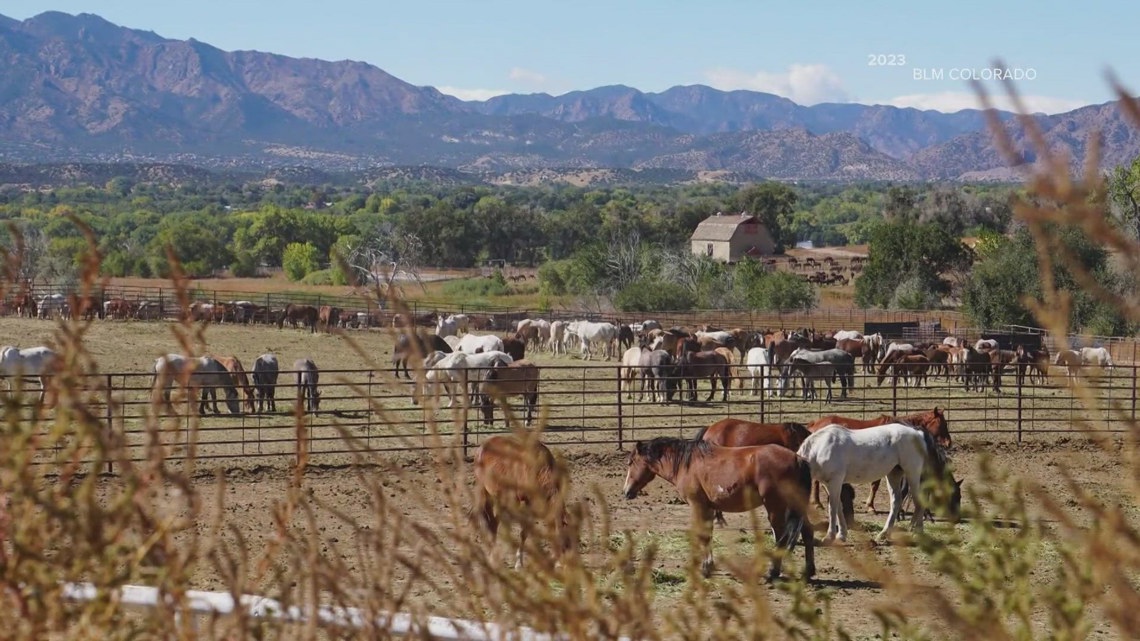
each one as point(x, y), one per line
point(582, 406)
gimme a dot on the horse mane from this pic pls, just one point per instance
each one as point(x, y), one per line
point(797, 432)
point(935, 452)
point(681, 449)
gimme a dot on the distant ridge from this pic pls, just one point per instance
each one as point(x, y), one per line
point(77, 88)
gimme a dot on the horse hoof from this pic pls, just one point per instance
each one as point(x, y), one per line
point(706, 569)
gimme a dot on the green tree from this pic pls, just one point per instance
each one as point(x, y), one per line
point(901, 251)
point(759, 288)
point(299, 260)
point(1124, 191)
point(775, 205)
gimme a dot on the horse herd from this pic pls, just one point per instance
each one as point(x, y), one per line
point(737, 466)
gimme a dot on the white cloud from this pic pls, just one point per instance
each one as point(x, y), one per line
point(805, 84)
point(472, 94)
point(951, 101)
point(526, 76)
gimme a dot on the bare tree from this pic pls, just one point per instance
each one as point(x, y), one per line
point(387, 259)
point(27, 254)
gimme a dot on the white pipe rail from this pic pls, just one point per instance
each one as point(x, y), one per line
point(398, 624)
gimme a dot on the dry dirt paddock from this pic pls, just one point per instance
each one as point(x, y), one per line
point(255, 452)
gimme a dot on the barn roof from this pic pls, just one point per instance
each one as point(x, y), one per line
point(721, 226)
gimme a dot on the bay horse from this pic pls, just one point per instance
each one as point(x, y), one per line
point(711, 365)
point(736, 432)
point(711, 478)
point(519, 480)
point(932, 421)
point(241, 379)
point(900, 452)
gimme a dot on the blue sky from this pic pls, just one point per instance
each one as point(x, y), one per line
point(811, 52)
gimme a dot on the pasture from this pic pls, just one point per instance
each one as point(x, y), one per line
point(584, 414)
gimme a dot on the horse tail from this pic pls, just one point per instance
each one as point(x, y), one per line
point(797, 507)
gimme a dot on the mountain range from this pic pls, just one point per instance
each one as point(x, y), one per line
point(77, 88)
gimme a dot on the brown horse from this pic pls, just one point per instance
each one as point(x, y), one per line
point(241, 379)
point(519, 480)
point(931, 421)
point(736, 432)
point(710, 365)
point(730, 479)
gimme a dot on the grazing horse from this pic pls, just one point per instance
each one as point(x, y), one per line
point(518, 378)
point(1071, 360)
point(711, 478)
point(897, 451)
point(1098, 356)
point(265, 372)
point(241, 379)
point(519, 480)
point(308, 394)
point(31, 362)
point(932, 421)
point(203, 374)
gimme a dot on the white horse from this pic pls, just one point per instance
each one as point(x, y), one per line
point(448, 370)
point(630, 369)
point(874, 342)
point(462, 322)
point(898, 348)
point(557, 336)
point(719, 337)
point(445, 327)
point(848, 334)
point(897, 451)
point(52, 305)
point(986, 345)
point(592, 333)
point(760, 370)
point(487, 342)
point(32, 362)
point(545, 329)
point(1098, 356)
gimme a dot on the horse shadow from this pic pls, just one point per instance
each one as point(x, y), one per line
point(845, 584)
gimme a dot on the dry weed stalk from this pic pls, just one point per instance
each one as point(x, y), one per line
point(146, 523)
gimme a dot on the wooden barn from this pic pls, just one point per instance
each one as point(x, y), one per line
point(730, 237)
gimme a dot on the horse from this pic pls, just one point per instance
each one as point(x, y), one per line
point(1036, 361)
point(658, 370)
point(308, 394)
point(842, 365)
point(760, 370)
point(932, 421)
point(590, 333)
point(518, 378)
point(1071, 360)
point(31, 362)
point(975, 368)
point(241, 379)
point(736, 432)
point(203, 374)
point(711, 478)
point(265, 381)
point(518, 478)
point(449, 370)
point(1098, 356)
point(472, 343)
point(710, 365)
point(837, 455)
point(413, 344)
point(630, 369)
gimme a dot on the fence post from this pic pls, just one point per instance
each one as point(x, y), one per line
point(765, 388)
point(1134, 393)
point(111, 424)
point(1020, 381)
point(894, 395)
point(620, 418)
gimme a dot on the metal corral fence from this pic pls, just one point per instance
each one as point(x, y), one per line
point(587, 405)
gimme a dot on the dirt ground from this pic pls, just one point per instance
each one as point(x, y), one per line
point(584, 432)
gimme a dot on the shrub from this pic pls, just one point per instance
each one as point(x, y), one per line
point(482, 287)
point(299, 259)
point(319, 277)
point(654, 296)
